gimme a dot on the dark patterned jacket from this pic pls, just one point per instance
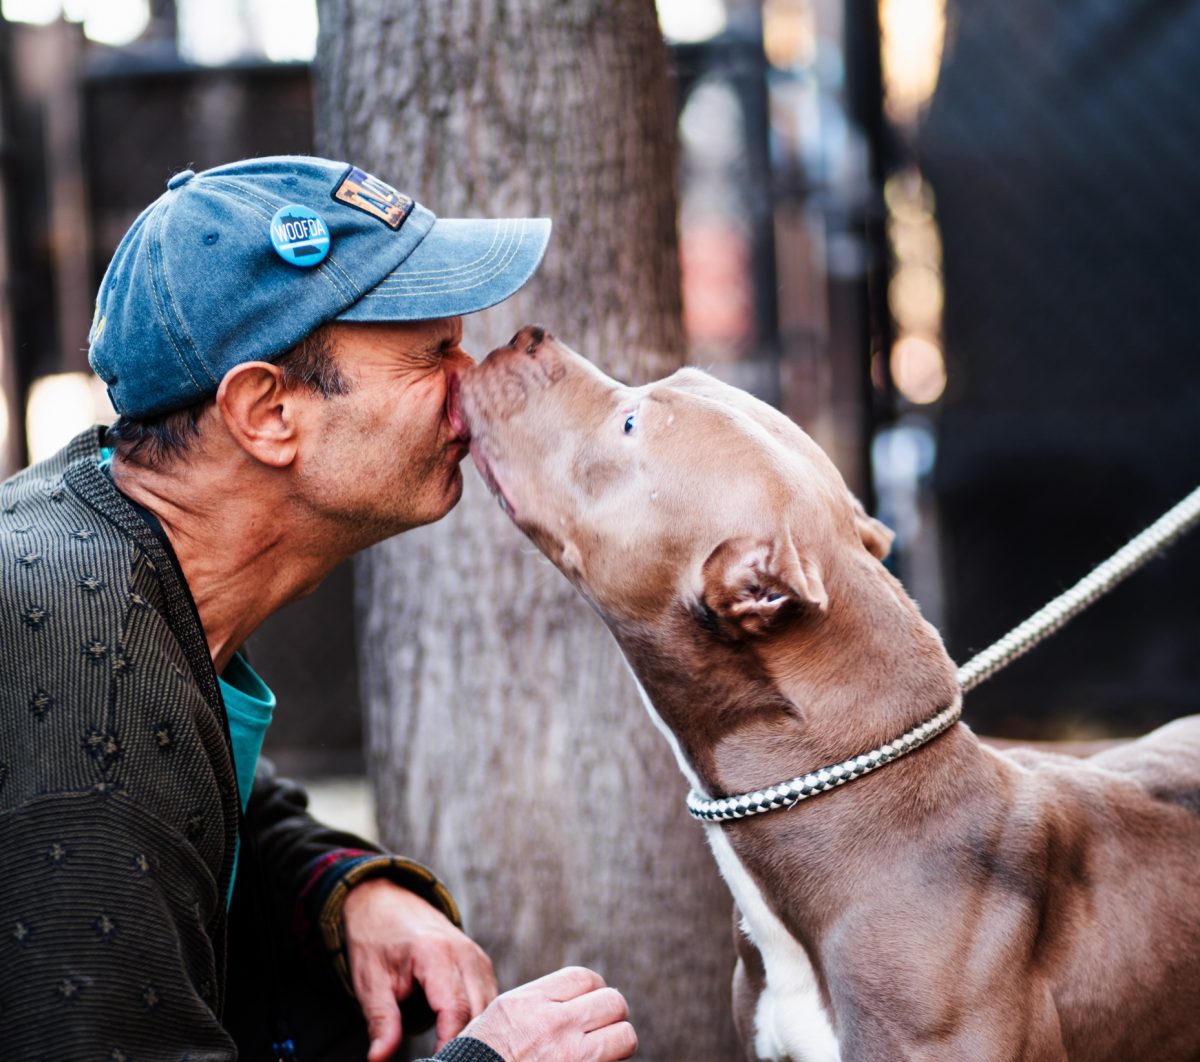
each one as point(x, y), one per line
point(119, 809)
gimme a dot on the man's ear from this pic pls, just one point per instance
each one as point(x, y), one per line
point(749, 584)
point(257, 410)
point(875, 536)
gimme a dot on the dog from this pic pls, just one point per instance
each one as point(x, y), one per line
point(959, 902)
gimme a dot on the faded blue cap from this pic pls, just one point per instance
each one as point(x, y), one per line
point(218, 270)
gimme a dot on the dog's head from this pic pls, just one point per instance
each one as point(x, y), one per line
point(685, 492)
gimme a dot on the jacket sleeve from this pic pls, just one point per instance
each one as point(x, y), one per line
point(465, 1049)
point(108, 917)
point(308, 869)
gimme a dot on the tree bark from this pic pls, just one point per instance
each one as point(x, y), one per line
point(507, 744)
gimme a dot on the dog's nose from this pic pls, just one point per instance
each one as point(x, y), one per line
point(529, 339)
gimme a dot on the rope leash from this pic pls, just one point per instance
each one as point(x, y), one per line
point(1160, 534)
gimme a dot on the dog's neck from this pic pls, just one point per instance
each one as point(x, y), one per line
point(821, 688)
point(861, 673)
point(746, 715)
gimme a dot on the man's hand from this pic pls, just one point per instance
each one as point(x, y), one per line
point(567, 1016)
point(393, 938)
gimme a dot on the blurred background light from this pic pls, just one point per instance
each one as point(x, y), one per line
point(908, 196)
point(711, 123)
point(915, 297)
point(916, 242)
point(113, 22)
point(286, 29)
point(691, 20)
point(212, 32)
point(912, 33)
point(39, 12)
point(918, 369)
point(789, 33)
point(59, 407)
point(916, 291)
point(903, 455)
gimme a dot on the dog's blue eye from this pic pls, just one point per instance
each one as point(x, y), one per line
point(629, 424)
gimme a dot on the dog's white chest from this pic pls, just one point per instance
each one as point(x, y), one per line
point(790, 1022)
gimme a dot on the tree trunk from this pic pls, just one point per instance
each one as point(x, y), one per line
point(507, 744)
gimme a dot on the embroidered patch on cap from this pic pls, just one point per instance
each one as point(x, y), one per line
point(375, 197)
point(300, 235)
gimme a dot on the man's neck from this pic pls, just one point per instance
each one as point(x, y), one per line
point(243, 558)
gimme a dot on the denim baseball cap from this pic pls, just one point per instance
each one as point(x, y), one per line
point(241, 262)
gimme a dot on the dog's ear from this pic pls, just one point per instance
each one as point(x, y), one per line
point(749, 584)
point(875, 536)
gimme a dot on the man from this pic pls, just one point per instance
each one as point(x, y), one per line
point(279, 337)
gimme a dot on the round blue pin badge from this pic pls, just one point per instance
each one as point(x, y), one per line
point(300, 235)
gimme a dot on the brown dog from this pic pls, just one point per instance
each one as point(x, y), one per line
point(958, 903)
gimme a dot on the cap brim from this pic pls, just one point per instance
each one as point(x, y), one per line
point(462, 265)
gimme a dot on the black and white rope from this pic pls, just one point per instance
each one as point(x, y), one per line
point(789, 793)
point(1179, 519)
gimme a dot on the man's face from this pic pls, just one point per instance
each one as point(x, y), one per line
point(385, 457)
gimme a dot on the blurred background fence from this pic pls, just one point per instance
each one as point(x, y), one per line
point(955, 241)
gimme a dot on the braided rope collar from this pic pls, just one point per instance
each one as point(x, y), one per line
point(1182, 517)
point(790, 793)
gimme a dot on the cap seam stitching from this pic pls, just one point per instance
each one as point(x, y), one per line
point(500, 240)
point(187, 337)
point(236, 188)
point(388, 277)
point(501, 236)
point(336, 267)
point(375, 293)
point(160, 309)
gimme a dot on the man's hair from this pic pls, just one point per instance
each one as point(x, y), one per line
point(156, 441)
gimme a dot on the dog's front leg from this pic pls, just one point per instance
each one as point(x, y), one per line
point(749, 981)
